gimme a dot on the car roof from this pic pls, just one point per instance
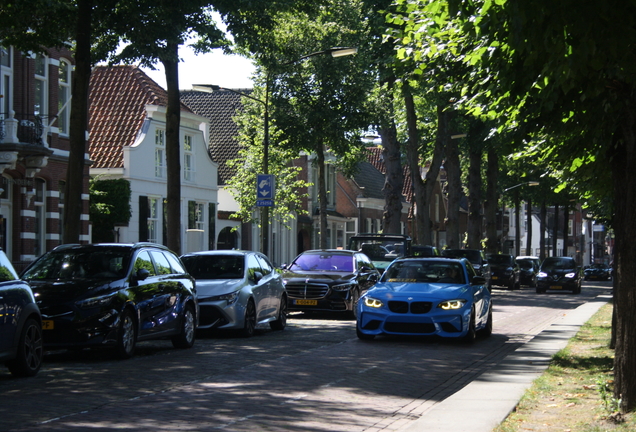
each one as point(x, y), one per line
point(527, 257)
point(221, 252)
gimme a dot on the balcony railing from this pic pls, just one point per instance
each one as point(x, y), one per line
point(23, 128)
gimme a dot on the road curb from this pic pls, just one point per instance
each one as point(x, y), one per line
point(484, 403)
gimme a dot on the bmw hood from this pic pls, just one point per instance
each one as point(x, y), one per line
point(408, 289)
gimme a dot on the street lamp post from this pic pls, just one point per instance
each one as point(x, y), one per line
point(503, 207)
point(265, 219)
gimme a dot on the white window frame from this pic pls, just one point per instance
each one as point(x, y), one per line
point(154, 218)
point(6, 78)
point(39, 228)
point(188, 159)
point(199, 218)
point(64, 97)
point(41, 85)
point(160, 153)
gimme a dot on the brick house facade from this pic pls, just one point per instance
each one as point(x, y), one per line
point(35, 94)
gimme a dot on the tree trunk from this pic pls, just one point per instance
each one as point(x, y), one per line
point(624, 160)
point(529, 228)
point(393, 180)
point(491, 204)
point(517, 223)
point(421, 199)
point(443, 130)
point(542, 217)
point(173, 154)
point(322, 195)
point(454, 176)
point(78, 126)
point(474, 197)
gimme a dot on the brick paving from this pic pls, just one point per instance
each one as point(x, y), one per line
point(314, 376)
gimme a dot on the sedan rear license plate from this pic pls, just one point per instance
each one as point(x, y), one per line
point(495, 277)
point(555, 287)
point(302, 302)
point(48, 324)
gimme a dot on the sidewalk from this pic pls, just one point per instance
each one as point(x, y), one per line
point(487, 401)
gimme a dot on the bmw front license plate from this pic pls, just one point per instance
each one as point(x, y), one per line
point(555, 287)
point(48, 324)
point(303, 302)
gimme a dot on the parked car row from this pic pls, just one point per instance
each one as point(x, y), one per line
point(115, 295)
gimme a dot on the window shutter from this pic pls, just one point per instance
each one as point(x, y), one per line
point(211, 225)
point(143, 218)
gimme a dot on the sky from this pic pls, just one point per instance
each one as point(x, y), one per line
point(230, 71)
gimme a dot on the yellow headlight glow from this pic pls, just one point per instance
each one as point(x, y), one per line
point(371, 302)
point(452, 304)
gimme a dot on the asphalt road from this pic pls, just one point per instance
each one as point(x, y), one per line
point(313, 376)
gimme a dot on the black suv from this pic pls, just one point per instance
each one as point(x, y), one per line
point(113, 295)
point(328, 280)
point(21, 346)
point(559, 273)
point(504, 271)
point(476, 258)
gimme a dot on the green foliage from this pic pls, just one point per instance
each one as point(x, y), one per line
point(290, 189)
point(109, 206)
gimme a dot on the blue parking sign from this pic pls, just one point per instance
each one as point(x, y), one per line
point(264, 187)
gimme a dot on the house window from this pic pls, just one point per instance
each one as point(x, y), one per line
point(160, 150)
point(40, 106)
point(196, 215)
point(39, 227)
point(153, 219)
point(188, 158)
point(330, 184)
point(570, 226)
point(350, 230)
point(64, 97)
point(5, 81)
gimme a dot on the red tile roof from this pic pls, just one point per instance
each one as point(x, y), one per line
point(117, 100)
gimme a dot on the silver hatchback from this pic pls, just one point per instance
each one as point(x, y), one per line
point(237, 290)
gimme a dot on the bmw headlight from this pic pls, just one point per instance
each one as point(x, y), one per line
point(373, 303)
point(229, 297)
point(452, 304)
point(95, 302)
point(542, 275)
point(570, 275)
point(343, 287)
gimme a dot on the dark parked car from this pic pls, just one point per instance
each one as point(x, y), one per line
point(504, 271)
point(476, 258)
point(424, 251)
point(381, 249)
point(113, 295)
point(598, 272)
point(559, 273)
point(529, 267)
point(21, 348)
point(328, 280)
point(237, 290)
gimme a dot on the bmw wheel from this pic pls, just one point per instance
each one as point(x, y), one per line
point(471, 334)
point(487, 330)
